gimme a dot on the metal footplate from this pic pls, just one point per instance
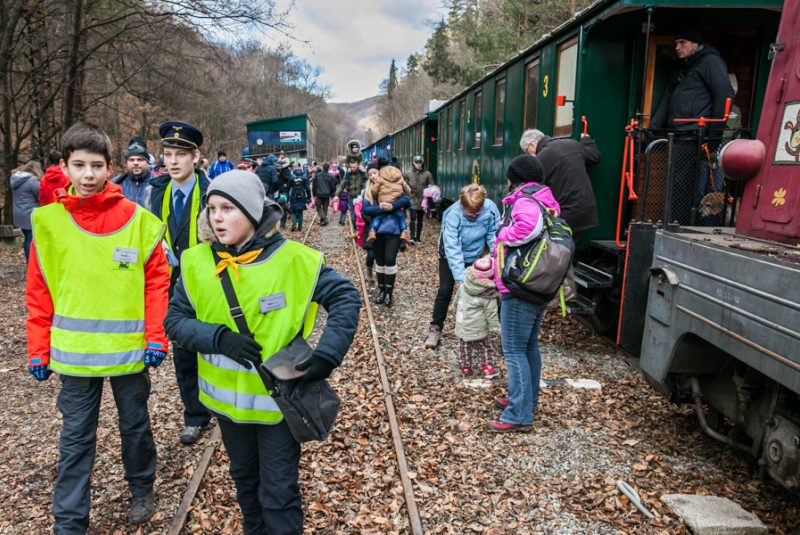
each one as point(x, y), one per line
point(587, 276)
point(581, 305)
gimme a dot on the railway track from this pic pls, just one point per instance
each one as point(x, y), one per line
point(415, 521)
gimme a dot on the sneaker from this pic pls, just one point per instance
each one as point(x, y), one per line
point(466, 371)
point(501, 403)
point(490, 373)
point(191, 434)
point(433, 337)
point(417, 242)
point(502, 427)
point(142, 508)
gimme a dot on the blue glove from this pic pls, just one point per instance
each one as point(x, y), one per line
point(154, 357)
point(42, 372)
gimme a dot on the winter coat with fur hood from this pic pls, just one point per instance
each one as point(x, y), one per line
point(333, 292)
point(390, 185)
point(476, 308)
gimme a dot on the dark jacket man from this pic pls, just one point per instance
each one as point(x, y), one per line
point(268, 174)
point(697, 88)
point(178, 230)
point(323, 186)
point(353, 181)
point(564, 162)
point(418, 180)
point(134, 188)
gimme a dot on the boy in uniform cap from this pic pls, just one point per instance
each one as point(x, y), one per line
point(279, 285)
point(96, 297)
point(134, 183)
point(176, 199)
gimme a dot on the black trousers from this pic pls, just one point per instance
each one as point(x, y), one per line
point(265, 467)
point(416, 229)
point(386, 247)
point(195, 413)
point(445, 293)
point(79, 403)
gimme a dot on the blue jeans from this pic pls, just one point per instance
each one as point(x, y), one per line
point(520, 321)
point(352, 209)
point(401, 221)
point(26, 242)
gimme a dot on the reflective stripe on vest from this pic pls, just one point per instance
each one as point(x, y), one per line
point(96, 282)
point(290, 273)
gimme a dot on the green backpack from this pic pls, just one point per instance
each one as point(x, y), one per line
point(535, 271)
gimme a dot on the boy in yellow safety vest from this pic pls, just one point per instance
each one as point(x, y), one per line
point(279, 285)
point(96, 298)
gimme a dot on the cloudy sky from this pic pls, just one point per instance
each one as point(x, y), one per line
point(355, 41)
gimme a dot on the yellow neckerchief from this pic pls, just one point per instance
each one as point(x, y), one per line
point(228, 260)
point(166, 206)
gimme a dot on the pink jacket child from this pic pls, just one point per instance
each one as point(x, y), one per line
point(526, 223)
point(359, 222)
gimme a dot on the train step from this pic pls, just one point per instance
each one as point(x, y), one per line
point(590, 277)
point(581, 305)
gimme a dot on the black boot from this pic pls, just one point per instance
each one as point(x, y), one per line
point(294, 227)
point(387, 299)
point(382, 286)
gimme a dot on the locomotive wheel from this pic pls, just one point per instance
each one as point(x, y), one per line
point(607, 300)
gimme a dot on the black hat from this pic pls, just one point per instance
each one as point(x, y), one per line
point(373, 165)
point(181, 135)
point(524, 169)
point(221, 153)
point(137, 147)
point(690, 34)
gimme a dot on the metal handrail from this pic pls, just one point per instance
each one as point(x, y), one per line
point(646, 178)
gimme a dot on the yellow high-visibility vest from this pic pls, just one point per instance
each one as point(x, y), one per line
point(275, 296)
point(96, 282)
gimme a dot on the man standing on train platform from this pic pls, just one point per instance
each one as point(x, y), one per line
point(354, 180)
point(177, 199)
point(220, 166)
point(135, 182)
point(564, 161)
point(698, 88)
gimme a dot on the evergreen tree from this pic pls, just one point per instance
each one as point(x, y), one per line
point(391, 84)
point(412, 64)
point(439, 64)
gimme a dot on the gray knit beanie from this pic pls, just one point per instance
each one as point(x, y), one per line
point(137, 147)
point(242, 188)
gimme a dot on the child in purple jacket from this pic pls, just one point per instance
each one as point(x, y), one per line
point(342, 206)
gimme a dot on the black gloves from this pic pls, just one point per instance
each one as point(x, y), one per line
point(318, 368)
point(241, 348)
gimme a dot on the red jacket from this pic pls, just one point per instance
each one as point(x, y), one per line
point(101, 213)
point(53, 179)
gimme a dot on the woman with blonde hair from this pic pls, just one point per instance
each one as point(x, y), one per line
point(25, 197)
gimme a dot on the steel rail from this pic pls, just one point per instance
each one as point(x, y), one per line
point(205, 460)
point(408, 488)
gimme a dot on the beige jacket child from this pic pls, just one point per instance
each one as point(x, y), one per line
point(390, 185)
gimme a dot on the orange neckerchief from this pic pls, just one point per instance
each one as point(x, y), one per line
point(228, 260)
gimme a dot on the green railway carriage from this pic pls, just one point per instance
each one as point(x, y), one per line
point(418, 139)
point(611, 67)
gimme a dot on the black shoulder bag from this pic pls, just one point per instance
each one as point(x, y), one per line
point(308, 407)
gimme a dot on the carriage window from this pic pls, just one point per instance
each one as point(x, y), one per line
point(461, 125)
point(449, 134)
point(531, 94)
point(567, 70)
point(476, 143)
point(499, 110)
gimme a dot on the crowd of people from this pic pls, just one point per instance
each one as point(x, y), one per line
point(163, 234)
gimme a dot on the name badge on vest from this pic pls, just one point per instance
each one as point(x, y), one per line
point(126, 255)
point(268, 303)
